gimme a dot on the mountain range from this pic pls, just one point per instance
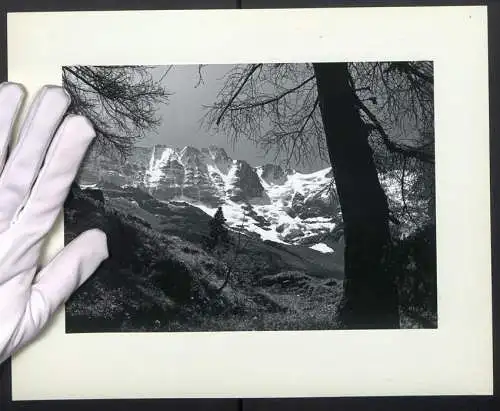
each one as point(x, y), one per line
point(281, 205)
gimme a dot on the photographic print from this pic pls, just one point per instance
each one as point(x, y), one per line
point(257, 197)
point(288, 206)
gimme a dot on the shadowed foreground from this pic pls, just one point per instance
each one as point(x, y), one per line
point(161, 277)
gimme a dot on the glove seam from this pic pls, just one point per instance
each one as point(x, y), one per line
point(17, 217)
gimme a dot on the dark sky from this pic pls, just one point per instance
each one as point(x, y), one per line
point(182, 114)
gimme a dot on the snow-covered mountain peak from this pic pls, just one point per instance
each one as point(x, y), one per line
point(272, 174)
point(189, 153)
point(217, 154)
point(276, 204)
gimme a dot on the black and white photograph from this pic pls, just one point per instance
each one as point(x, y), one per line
point(257, 197)
point(295, 198)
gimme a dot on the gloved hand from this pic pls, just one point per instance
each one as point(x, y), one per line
point(34, 182)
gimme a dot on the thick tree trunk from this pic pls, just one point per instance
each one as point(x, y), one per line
point(370, 295)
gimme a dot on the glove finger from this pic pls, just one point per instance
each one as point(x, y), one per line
point(11, 98)
point(27, 156)
point(54, 181)
point(59, 279)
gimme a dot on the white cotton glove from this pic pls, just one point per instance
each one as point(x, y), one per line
point(34, 182)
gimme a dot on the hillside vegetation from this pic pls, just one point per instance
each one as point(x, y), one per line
point(160, 277)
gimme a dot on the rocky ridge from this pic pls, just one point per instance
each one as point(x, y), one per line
point(278, 205)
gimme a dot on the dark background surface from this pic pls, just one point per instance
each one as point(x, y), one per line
point(369, 403)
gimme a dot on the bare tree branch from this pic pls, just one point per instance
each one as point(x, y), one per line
point(120, 101)
point(250, 73)
point(239, 247)
point(405, 151)
point(273, 99)
point(200, 76)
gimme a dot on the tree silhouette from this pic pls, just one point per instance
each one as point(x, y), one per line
point(218, 229)
point(370, 289)
point(120, 101)
point(362, 118)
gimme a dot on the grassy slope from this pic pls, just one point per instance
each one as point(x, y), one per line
point(159, 277)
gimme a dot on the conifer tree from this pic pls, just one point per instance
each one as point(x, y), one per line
point(218, 229)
